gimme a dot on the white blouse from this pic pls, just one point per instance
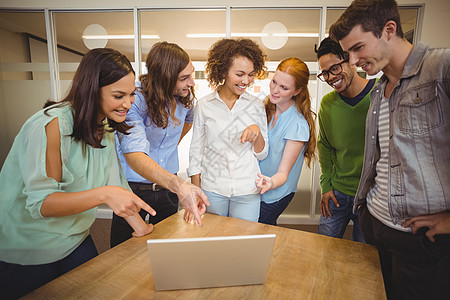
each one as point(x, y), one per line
point(227, 166)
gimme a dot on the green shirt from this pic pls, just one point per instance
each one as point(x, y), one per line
point(341, 143)
point(26, 237)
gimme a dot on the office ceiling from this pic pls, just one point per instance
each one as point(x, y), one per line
point(173, 26)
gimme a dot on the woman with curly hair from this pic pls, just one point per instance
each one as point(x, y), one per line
point(292, 138)
point(160, 117)
point(230, 131)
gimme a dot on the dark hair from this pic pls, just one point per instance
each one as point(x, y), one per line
point(372, 15)
point(98, 68)
point(164, 63)
point(328, 45)
point(223, 52)
point(302, 101)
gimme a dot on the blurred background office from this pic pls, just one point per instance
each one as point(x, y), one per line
point(42, 43)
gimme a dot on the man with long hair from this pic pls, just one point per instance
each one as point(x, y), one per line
point(160, 117)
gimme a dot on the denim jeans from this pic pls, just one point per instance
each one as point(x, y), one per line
point(335, 226)
point(18, 280)
point(269, 212)
point(244, 207)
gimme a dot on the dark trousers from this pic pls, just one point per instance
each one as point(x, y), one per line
point(412, 266)
point(18, 280)
point(164, 202)
point(269, 212)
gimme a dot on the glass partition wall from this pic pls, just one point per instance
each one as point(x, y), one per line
point(24, 72)
point(78, 32)
point(31, 37)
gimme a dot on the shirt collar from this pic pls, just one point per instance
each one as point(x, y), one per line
point(415, 60)
point(215, 96)
point(413, 63)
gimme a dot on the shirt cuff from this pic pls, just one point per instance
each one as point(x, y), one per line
point(263, 154)
point(193, 171)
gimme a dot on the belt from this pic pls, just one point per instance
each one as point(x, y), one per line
point(142, 186)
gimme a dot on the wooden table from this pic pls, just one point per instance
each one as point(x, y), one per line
point(304, 266)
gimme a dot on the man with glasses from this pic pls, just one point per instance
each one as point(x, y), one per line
point(342, 118)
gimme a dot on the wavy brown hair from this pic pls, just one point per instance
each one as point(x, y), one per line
point(300, 73)
point(164, 63)
point(98, 68)
point(222, 54)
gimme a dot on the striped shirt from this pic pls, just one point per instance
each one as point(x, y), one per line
point(377, 198)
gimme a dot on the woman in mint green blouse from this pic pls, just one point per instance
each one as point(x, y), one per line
point(62, 165)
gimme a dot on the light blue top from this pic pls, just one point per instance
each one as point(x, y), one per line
point(26, 237)
point(160, 144)
point(291, 125)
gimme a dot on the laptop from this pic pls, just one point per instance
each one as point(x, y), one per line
point(189, 263)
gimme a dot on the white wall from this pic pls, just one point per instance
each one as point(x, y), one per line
point(436, 23)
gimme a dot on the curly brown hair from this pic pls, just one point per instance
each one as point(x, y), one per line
point(223, 52)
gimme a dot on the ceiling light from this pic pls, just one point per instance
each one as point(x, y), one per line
point(249, 34)
point(205, 35)
point(118, 37)
point(222, 35)
point(297, 34)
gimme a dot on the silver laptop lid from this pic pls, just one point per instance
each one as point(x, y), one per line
point(188, 263)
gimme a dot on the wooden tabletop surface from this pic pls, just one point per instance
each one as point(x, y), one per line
point(303, 266)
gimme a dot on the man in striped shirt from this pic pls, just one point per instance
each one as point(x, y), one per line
point(403, 198)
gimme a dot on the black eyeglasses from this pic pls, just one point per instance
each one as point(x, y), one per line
point(335, 69)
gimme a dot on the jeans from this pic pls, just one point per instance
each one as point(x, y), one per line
point(164, 202)
point(244, 207)
point(335, 226)
point(269, 212)
point(18, 280)
point(413, 267)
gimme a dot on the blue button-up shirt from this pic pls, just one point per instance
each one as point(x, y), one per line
point(159, 144)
